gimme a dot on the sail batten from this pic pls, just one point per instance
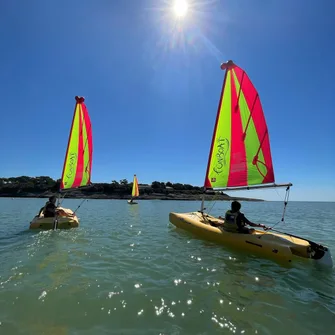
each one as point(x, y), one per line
point(78, 158)
point(240, 153)
point(135, 191)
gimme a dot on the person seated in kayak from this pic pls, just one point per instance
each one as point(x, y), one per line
point(50, 209)
point(235, 221)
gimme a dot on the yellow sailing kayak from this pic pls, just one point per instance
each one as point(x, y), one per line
point(281, 247)
point(135, 191)
point(63, 222)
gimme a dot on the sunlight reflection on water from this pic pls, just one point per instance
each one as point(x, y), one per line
point(129, 270)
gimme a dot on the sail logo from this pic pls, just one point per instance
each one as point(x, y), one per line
point(72, 159)
point(222, 147)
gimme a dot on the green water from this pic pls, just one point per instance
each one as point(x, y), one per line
point(126, 270)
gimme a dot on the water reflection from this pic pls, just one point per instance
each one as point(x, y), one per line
point(126, 269)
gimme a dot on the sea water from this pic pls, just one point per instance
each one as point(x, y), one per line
point(127, 270)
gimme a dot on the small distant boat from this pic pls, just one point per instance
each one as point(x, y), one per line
point(76, 170)
point(240, 159)
point(135, 192)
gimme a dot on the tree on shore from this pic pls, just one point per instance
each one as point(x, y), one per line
point(37, 185)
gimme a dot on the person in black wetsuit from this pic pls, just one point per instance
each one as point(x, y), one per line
point(235, 221)
point(49, 209)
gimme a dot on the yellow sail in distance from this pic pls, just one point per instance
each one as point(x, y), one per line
point(135, 192)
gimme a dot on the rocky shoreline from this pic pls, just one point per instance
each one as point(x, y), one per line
point(153, 196)
point(44, 187)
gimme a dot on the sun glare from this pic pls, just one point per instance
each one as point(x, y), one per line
point(180, 8)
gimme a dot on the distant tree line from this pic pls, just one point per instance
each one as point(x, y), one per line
point(39, 185)
point(23, 184)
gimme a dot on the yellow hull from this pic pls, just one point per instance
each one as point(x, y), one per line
point(280, 247)
point(63, 222)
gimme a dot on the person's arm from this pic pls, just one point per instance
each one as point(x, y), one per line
point(253, 224)
point(41, 210)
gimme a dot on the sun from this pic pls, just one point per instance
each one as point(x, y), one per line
point(180, 8)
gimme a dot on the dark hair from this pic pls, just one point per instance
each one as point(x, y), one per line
point(52, 198)
point(235, 206)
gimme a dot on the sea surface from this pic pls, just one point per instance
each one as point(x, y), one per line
point(127, 270)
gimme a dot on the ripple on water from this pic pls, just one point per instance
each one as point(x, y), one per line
point(125, 269)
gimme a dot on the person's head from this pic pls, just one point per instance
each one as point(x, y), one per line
point(53, 199)
point(235, 206)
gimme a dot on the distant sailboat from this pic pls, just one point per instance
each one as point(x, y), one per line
point(76, 170)
point(240, 159)
point(135, 192)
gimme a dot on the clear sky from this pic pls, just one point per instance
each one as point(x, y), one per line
point(152, 84)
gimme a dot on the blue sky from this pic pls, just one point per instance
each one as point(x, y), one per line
point(152, 86)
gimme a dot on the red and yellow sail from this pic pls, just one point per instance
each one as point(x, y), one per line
point(240, 153)
point(135, 192)
point(78, 158)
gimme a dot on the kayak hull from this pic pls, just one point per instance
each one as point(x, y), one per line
point(280, 247)
point(63, 222)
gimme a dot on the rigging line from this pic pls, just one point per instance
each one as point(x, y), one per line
point(62, 199)
point(250, 116)
point(214, 202)
point(79, 206)
point(278, 194)
point(261, 143)
point(258, 169)
point(87, 132)
point(233, 76)
point(287, 195)
point(238, 101)
point(216, 196)
point(286, 198)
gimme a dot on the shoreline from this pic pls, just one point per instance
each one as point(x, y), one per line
point(44, 187)
point(153, 196)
